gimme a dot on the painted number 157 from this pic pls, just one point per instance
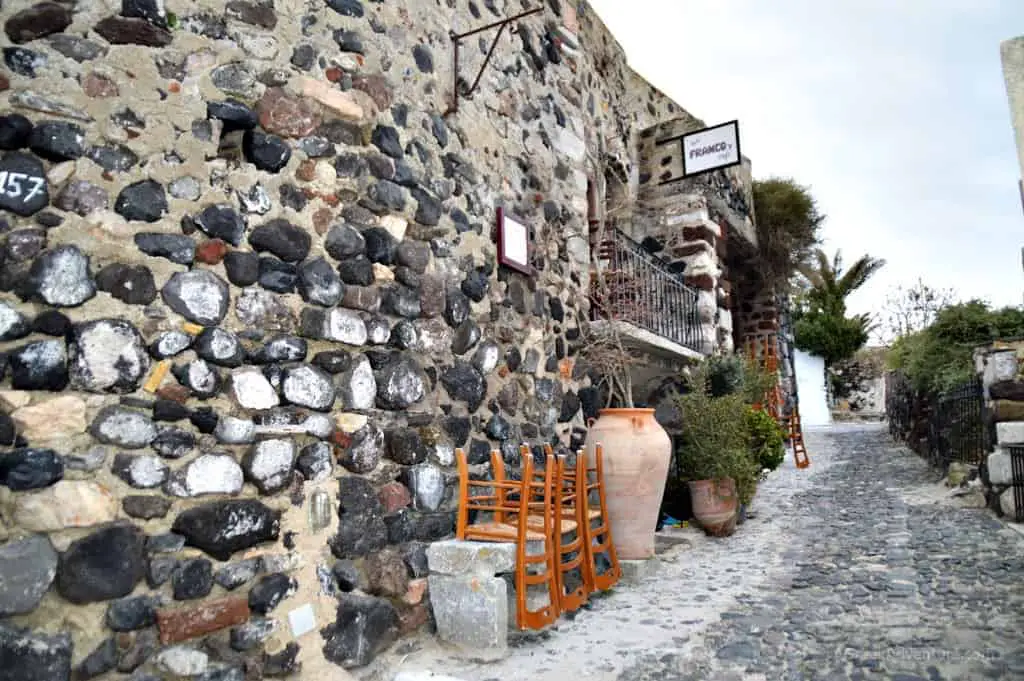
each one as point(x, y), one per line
point(13, 185)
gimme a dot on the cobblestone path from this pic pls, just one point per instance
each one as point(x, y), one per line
point(844, 574)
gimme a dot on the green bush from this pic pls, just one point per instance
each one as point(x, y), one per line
point(941, 356)
point(830, 336)
point(766, 439)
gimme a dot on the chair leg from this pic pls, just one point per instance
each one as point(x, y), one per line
point(542, 617)
point(598, 540)
point(570, 601)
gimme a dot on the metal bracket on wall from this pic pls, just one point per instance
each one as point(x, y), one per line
point(456, 37)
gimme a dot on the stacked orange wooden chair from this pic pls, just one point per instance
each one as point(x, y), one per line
point(548, 508)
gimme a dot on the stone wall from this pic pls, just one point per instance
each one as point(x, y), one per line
point(858, 386)
point(249, 306)
point(1001, 367)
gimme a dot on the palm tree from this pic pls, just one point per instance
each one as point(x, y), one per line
point(830, 285)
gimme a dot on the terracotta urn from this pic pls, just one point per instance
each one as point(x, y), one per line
point(636, 453)
point(715, 505)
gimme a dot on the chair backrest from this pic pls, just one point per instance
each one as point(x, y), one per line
point(540, 485)
point(496, 500)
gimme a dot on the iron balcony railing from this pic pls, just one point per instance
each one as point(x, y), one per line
point(643, 290)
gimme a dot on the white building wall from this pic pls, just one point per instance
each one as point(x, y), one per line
point(810, 377)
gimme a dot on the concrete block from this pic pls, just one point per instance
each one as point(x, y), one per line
point(1002, 365)
point(999, 471)
point(484, 559)
point(471, 612)
point(1008, 505)
point(1010, 433)
point(636, 571)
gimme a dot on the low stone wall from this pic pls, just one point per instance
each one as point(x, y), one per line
point(1001, 367)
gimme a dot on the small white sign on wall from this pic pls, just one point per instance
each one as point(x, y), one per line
point(711, 148)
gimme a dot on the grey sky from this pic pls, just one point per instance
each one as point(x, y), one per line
point(894, 112)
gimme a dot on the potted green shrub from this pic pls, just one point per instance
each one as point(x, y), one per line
point(713, 455)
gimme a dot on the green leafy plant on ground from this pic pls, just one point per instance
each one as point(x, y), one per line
point(766, 440)
point(941, 356)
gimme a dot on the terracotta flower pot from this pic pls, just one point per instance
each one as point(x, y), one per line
point(636, 454)
point(715, 505)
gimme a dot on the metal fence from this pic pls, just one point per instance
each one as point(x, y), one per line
point(1017, 471)
point(943, 428)
point(644, 290)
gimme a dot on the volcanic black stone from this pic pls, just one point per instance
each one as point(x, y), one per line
point(348, 41)
point(570, 406)
point(513, 358)
point(114, 158)
point(269, 591)
point(219, 347)
point(319, 283)
point(364, 627)
point(424, 59)
point(283, 663)
point(458, 428)
point(242, 267)
point(252, 634)
point(293, 197)
point(149, 10)
point(456, 308)
point(234, 114)
point(464, 383)
point(193, 579)
point(170, 344)
point(169, 411)
point(37, 21)
point(278, 276)
point(381, 245)
point(24, 469)
point(590, 401)
point(25, 191)
point(15, 132)
point(223, 222)
point(132, 613)
point(173, 443)
point(177, 248)
point(476, 285)
point(466, 337)
point(204, 419)
point(144, 201)
point(405, 446)
point(8, 431)
point(403, 335)
point(101, 566)
point(41, 365)
point(401, 301)
point(281, 238)
point(13, 324)
point(304, 57)
point(357, 271)
point(428, 208)
point(130, 31)
point(333, 361)
point(385, 197)
point(24, 244)
point(347, 8)
point(24, 61)
point(146, 507)
point(381, 167)
point(57, 141)
point(350, 165)
point(266, 152)
point(34, 656)
point(131, 284)
point(386, 139)
point(346, 575)
point(221, 528)
point(406, 525)
point(413, 254)
point(100, 661)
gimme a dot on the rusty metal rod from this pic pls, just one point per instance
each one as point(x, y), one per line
point(500, 22)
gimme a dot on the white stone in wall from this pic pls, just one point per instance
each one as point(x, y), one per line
point(344, 326)
point(234, 431)
point(725, 320)
point(69, 503)
point(396, 225)
point(568, 144)
point(707, 306)
point(1007, 502)
point(701, 263)
point(999, 468)
point(252, 390)
point(208, 474)
point(1010, 432)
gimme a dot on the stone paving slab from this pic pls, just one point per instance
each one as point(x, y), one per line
point(837, 577)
